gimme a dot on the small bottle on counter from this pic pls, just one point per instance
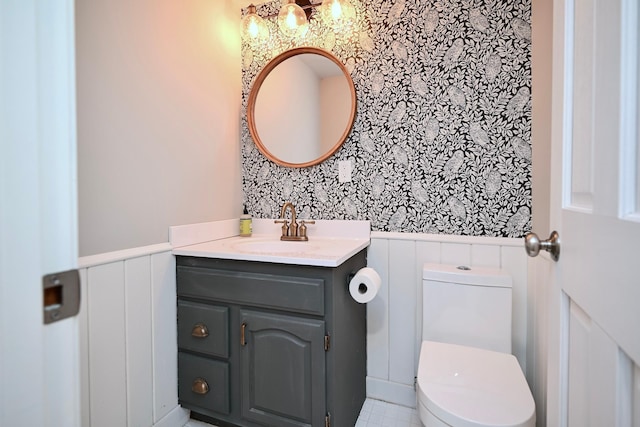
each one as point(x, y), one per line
point(246, 226)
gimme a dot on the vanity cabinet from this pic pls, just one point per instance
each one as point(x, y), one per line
point(265, 344)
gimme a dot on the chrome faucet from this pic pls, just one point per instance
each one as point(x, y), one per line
point(292, 231)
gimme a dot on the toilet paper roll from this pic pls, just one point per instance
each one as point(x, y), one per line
point(364, 286)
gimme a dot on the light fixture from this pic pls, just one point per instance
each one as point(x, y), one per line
point(254, 29)
point(292, 20)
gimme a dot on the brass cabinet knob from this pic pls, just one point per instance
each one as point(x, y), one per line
point(200, 330)
point(200, 386)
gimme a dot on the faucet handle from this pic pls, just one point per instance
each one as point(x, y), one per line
point(285, 226)
point(302, 230)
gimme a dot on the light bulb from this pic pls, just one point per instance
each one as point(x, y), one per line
point(292, 20)
point(254, 29)
point(336, 10)
point(338, 13)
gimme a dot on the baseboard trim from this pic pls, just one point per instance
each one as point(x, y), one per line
point(400, 394)
point(178, 417)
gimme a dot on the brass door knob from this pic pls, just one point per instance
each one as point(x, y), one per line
point(200, 330)
point(200, 386)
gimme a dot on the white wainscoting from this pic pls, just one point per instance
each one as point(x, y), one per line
point(128, 339)
point(394, 317)
point(128, 327)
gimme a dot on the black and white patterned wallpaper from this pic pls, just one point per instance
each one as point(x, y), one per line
point(442, 138)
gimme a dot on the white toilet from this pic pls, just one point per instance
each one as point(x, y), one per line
point(467, 376)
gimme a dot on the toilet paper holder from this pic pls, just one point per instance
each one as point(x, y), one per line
point(363, 285)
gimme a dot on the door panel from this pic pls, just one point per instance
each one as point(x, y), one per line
point(283, 370)
point(596, 287)
point(593, 362)
point(39, 373)
point(581, 160)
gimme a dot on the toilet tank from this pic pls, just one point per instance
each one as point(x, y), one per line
point(467, 306)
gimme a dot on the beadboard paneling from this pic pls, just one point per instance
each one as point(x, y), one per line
point(378, 312)
point(165, 344)
point(514, 260)
point(394, 317)
point(455, 253)
point(128, 340)
point(425, 252)
point(402, 304)
point(83, 337)
point(107, 353)
point(117, 325)
point(138, 341)
point(485, 256)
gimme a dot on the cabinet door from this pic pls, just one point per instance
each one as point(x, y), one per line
point(283, 370)
point(203, 328)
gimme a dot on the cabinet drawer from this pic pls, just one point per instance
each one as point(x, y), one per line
point(193, 373)
point(293, 293)
point(203, 328)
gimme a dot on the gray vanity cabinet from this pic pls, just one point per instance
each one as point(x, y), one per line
point(276, 345)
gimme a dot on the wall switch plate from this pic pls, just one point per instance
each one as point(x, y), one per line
point(344, 171)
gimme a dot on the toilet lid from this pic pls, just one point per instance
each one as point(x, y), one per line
point(472, 387)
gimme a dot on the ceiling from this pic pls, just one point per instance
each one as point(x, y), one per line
point(244, 3)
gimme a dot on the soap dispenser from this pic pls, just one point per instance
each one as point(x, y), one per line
point(246, 226)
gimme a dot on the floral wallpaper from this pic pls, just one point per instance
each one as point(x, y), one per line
point(442, 137)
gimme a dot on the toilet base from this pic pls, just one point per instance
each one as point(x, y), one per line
point(490, 388)
point(428, 419)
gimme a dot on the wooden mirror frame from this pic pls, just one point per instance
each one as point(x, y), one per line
point(253, 95)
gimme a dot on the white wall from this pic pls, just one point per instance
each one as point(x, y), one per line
point(394, 317)
point(158, 94)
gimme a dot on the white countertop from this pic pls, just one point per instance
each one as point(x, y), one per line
point(322, 249)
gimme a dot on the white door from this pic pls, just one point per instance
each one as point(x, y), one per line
point(594, 323)
point(39, 375)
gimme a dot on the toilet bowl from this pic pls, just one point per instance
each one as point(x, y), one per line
point(466, 374)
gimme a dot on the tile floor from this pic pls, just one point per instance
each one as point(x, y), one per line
point(374, 413)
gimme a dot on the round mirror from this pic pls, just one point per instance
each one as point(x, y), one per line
point(301, 107)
